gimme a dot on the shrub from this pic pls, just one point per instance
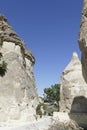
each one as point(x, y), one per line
point(38, 110)
point(3, 68)
point(3, 64)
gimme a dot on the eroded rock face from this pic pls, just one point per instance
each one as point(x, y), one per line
point(73, 94)
point(7, 33)
point(73, 85)
point(83, 39)
point(18, 96)
point(62, 121)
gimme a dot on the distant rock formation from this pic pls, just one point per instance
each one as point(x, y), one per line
point(18, 96)
point(73, 85)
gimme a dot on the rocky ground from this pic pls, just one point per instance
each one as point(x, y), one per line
point(40, 124)
point(46, 123)
point(67, 126)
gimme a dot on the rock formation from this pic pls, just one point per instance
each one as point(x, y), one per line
point(83, 39)
point(18, 96)
point(73, 94)
point(61, 121)
point(73, 85)
point(74, 77)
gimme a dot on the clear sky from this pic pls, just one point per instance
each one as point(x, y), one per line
point(50, 29)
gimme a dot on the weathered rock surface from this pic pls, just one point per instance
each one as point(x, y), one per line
point(72, 125)
point(73, 94)
point(7, 33)
point(83, 39)
point(46, 123)
point(73, 91)
point(18, 96)
point(62, 121)
point(41, 124)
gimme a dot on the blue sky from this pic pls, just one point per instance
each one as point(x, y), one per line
point(50, 29)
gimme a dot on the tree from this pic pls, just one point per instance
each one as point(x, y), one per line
point(52, 94)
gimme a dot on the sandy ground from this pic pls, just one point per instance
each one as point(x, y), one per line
point(40, 124)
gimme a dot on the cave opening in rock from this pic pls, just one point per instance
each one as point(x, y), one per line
point(79, 105)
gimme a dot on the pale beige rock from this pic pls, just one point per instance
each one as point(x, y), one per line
point(83, 39)
point(18, 96)
point(72, 85)
point(73, 94)
point(61, 117)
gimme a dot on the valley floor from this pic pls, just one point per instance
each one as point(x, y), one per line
point(40, 124)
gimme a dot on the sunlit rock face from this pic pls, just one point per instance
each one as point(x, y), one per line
point(73, 85)
point(83, 39)
point(73, 89)
point(18, 96)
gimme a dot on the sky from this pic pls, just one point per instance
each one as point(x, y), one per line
point(50, 29)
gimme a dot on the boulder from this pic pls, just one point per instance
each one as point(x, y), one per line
point(62, 121)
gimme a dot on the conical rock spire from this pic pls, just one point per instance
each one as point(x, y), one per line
point(72, 84)
point(18, 96)
point(7, 33)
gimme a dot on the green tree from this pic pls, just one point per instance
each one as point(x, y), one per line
point(52, 94)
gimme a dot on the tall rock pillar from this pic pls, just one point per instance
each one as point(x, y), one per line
point(18, 96)
point(73, 89)
point(73, 94)
point(83, 39)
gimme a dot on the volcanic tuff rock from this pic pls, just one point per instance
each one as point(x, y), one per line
point(73, 85)
point(83, 39)
point(18, 96)
point(61, 121)
point(73, 93)
point(7, 33)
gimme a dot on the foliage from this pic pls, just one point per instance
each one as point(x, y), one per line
point(3, 68)
point(3, 64)
point(52, 94)
point(1, 41)
point(46, 110)
point(38, 110)
point(0, 55)
point(49, 109)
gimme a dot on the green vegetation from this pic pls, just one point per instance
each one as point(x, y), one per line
point(3, 64)
point(44, 109)
point(0, 55)
point(3, 68)
point(1, 41)
point(49, 109)
point(52, 94)
point(38, 110)
point(50, 101)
